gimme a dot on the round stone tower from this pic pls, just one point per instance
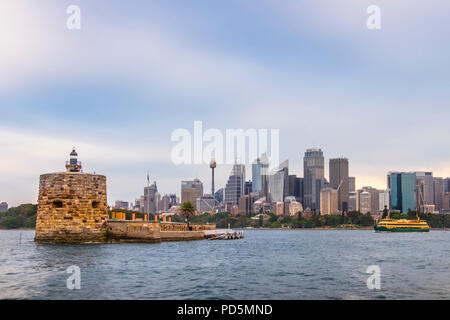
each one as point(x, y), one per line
point(72, 206)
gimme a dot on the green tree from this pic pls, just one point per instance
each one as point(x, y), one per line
point(11, 222)
point(187, 211)
point(19, 217)
point(30, 222)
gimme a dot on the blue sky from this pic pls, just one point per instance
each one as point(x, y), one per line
point(138, 70)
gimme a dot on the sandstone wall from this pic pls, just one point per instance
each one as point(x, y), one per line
point(72, 207)
point(182, 235)
point(171, 226)
point(130, 231)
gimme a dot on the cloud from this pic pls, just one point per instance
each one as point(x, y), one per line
point(26, 155)
point(309, 68)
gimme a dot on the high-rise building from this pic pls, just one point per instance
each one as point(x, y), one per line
point(351, 184)
point(142, 204)
point(157, 201)
point(447, 185)
point(402, 191)
point(352, 201)
point(328, 201)
point(248, 187)
point(339, 181)
point(234, 188)
point(313, 175)
point(446, 203)
point(245, 204)
point(191, 190)
point(150, 198)
point(383, 200)
point(438, 190)
point(119, 204)
point(365, 202)
point(164, 203)
point(259, 168)
point(137, 205)
point(424, 189)
point(173, 200)
point(296, 188)
point(3, 207)
point(219, 195)
point(206, 203)
point(373, 204)
point(279, 183)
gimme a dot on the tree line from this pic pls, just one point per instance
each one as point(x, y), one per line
point(23, 216)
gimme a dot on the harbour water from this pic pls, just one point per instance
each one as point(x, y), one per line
point(266, 264)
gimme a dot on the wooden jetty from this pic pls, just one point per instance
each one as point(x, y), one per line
point(223, 234)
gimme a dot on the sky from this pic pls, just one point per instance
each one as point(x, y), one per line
point(117, 88)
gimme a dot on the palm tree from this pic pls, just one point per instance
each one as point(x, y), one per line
point(187, 210)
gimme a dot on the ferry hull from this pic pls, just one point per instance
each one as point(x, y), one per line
point(394, 229)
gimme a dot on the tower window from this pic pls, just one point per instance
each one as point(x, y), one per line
point(57, 204)
point(95, 204)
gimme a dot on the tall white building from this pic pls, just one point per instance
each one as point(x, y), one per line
point(383, 200)
point(279, 183)
point(365, 201)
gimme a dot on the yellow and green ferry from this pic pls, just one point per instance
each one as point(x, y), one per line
point(402, 225)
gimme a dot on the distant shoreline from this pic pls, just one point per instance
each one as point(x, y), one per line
point(326, 228)
point(285, 229)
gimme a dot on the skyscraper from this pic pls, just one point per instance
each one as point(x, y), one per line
point(191, 190)
point(383, 200)
point(368, 203)
point(279, 183)
point(365, 201)
point(446, 185)
point(219, 195)
point(164, 203)
point(206, 203)
point(328, 201)
point(339, 181)
point(173, 200)
point(352, 201)
point(313, 172)
point(150, 200)
point(248, 187)
point(234, 188)
point(439, 187)
point(424, 188)
point(402, 191)
point(120, 204)
point(259, 168)
point(351, 184)
point(296, 187)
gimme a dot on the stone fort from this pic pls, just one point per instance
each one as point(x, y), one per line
point(72, 205)
point(73, 208)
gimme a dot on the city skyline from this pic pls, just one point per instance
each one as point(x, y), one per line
point(118, 87)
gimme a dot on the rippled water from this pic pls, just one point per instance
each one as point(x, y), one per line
point(267, 264)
